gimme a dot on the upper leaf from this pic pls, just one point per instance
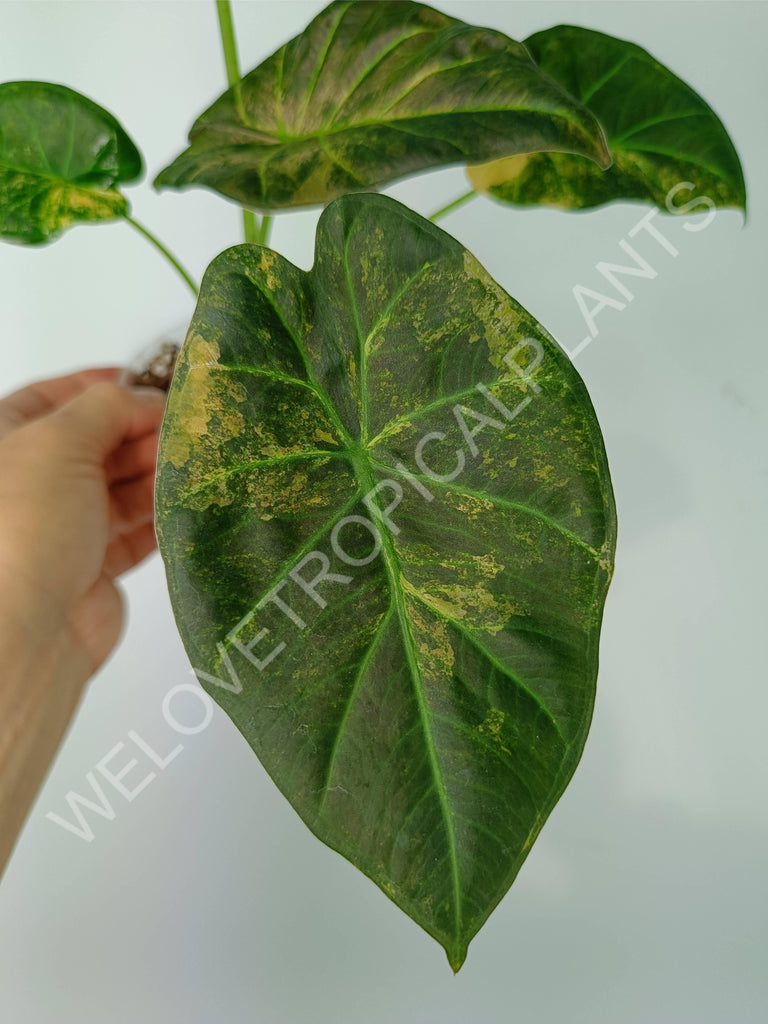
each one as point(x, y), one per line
point(61, 156)
point(388, 528)
point(372, 91)
point(659, 130)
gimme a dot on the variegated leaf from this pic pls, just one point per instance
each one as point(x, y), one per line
point(660, 132)
point(61, 158)
point(388, 529)
point(372, 91)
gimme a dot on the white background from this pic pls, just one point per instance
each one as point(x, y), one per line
point(644, 899)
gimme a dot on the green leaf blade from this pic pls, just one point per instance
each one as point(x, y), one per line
point(659, 130)
point(427, 715)
point(61, 158)
point(371, 92)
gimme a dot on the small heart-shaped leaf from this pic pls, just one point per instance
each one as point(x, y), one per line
point(370, 92)
point(388, 528)
point(61, 158)
point(660, 132)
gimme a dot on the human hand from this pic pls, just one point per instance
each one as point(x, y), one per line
point(77, 459)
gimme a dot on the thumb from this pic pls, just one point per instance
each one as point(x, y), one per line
point(98, 420)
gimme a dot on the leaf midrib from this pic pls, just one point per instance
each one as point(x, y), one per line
point(394, 573)
point(394, 122)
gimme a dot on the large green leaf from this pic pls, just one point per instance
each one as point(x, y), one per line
point(659, 130)
point(61, 158)
point(424, 706)
point(372, 91)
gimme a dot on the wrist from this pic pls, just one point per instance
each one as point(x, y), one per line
point(42, 681)
point(35, 634)
point(25, 592)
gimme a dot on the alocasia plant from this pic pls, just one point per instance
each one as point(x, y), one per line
point(382, 494)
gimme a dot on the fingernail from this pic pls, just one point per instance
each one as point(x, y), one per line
point(149, 394)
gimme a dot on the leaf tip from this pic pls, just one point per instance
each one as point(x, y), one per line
point(169, 176)
point(160, 180)
point(456, 956)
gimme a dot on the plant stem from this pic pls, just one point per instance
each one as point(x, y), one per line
point(161, 248)
point(453, 206)
point(227, 28)
point(229, 45)
point(264, 230)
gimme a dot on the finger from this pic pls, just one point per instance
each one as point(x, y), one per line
point(127, 550)
point(131, 504)
point(132, 459)
point(43, 396)
point(96, 422)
